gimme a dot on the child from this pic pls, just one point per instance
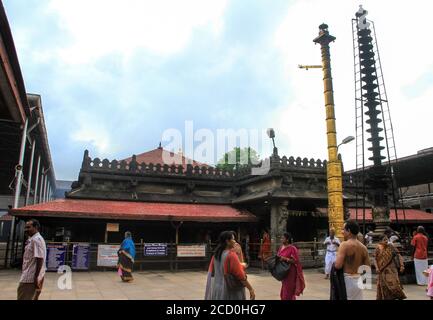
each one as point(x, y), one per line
point(429, 273)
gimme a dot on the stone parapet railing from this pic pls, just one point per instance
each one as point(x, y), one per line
point(114, 166)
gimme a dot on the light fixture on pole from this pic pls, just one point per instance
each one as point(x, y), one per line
point(300, 66)
point(346, 140)
point(271, 134)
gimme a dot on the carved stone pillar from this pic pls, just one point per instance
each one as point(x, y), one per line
point(279, 215)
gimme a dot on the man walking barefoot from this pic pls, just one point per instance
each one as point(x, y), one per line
point(351, 255)
point(33, 272)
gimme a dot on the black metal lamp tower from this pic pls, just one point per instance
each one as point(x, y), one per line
point(371, 101)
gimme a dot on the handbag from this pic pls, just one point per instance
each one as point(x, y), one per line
point(231, 281)
point(279, 269)
point(396, 259)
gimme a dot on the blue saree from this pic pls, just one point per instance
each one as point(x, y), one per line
point(126, 259)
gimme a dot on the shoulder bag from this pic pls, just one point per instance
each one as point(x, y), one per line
point(278, 268)
point(232, 282)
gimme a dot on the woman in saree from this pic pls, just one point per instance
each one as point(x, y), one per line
point(293, 284)
point(429, 274)
point(388, 282)
point(126, 255)
point(265, 248)
point(225, 268)
point(238, 249)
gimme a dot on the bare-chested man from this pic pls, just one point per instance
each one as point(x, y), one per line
point(351, 255)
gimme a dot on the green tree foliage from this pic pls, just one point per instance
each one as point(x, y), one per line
point(238, 156)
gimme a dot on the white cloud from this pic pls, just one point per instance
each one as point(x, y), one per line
point(93, 133)
point(405, 58)
point(226, 62)
point(94, 29)
point(96, 136)
point(101, 27)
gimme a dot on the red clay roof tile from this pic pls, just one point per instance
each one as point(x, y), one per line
point(161, 156)
point(129, 210)
point(411, 215)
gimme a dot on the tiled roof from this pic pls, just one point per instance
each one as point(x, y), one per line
point(6, 217)
point(410, 215)
point(129, 210)
point(161, 156)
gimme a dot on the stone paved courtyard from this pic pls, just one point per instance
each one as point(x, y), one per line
point(166, 285)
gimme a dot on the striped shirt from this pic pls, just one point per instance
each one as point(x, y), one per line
point(35, 248)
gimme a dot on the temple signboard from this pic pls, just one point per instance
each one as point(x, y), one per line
point(112, 227)
point(107, 255)
point(56, 256)
point(184, 251)
point(80, 256)
point(155, 249)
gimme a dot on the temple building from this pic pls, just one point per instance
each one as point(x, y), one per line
point(192, 203)
point(189, 202)
point(180, 202)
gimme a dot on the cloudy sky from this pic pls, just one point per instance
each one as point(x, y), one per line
point(113, 75)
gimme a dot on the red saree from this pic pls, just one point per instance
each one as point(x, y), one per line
point(265, 248)
point(294, 284)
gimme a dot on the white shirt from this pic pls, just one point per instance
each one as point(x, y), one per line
point(331, 247)
point(369, 238)
point(393, 239)
point(35, 248)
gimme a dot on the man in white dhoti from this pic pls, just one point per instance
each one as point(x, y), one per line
point(332, 243)
point(351, 256)
point(353, 290)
